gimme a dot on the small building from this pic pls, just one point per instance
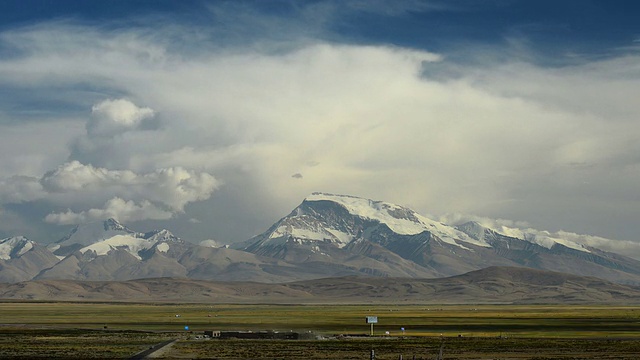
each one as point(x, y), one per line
point(212, 333)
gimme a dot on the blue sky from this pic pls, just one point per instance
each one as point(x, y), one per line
point(196, 115)
point(590, 27)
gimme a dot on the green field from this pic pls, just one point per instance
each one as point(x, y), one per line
point(115, 330)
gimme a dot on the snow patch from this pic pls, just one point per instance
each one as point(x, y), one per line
point(283, 231)
point(542, 238)
point(129, 243)
point(163, 247)
point(343, 238)
point(399, 219)
point(27, 246)
point(209, 243)
point(94, 232)
point(8, 245)
point(53, 247)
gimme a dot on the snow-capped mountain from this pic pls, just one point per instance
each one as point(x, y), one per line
point(307, 224)
point(542, 238)
point(109, 250)
point(101, 237)
point(22, 259)
point(540, 250)
point(163, 235)
point(14, 247)
point(325, 236)
point(334, 228)
point(88, 234)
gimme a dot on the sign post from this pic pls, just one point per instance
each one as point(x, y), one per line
point(372, 320)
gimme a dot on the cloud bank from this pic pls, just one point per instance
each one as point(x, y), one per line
point(156, 195)
point(123, 194)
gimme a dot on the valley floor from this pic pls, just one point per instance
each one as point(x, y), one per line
point(117, 330)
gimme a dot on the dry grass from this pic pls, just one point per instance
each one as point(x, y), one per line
point(421, 348)
point(16, 343)
point(64, 330)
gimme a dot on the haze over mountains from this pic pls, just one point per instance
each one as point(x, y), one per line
point(325, 236)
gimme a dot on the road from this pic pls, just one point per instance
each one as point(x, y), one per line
point(146, 353)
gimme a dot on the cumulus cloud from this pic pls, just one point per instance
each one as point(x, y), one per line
point(116, 208)
point(131, 196)
point(111, 117)
point(173, 187)
point(73, 176)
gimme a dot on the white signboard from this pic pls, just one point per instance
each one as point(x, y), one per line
point(372, 319)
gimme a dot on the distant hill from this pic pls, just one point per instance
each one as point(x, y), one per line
point(492, 285)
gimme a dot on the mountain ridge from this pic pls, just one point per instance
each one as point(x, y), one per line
point(327, 235)
point(326, 226)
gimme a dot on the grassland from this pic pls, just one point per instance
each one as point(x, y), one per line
point(116, 330)
point(421, 348)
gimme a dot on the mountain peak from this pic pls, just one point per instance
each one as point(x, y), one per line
point(402, 220)
point(161, 235)
point(14, 247)
point(473, 229)
point(113, 224)
point(88, 234)
point(399, 219)
point(324, 218)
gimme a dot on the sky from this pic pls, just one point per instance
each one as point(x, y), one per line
point(214, 119)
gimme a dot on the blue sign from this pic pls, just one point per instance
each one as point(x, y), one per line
point(186, 328)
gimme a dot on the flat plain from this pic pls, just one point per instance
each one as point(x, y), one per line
point(119, 330)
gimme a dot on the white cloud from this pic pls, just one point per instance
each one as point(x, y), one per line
point(116, 208)
point(111, 117)
point(458, 219)
point(74, 176)
point(173, 187)
point(129, 196)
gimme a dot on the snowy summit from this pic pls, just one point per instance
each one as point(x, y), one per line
point(399, 219)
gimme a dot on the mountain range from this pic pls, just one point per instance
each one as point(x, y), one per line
point(325, 236)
